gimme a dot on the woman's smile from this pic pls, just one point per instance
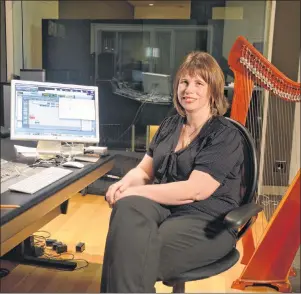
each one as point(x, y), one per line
point(188, 100)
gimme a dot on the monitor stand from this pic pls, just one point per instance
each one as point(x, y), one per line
point(49, 149)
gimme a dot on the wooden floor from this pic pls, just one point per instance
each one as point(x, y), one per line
point(87, 221)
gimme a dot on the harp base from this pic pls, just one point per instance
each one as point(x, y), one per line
point(248, 247)
point(292, 272)
point(281, 286)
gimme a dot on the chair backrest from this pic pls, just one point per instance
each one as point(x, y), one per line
point(249, 166)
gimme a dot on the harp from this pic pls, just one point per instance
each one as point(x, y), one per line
point(266, 102)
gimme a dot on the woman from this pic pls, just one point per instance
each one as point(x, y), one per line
point(168, 211)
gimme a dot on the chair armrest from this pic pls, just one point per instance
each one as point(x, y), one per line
point(241, 215)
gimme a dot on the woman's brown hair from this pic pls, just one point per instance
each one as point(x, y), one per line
point(205, 66)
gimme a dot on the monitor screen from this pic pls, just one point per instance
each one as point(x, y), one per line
point(52, 111)
point(154, 83)
point(137, 75)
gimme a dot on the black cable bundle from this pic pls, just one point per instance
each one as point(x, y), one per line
point(40, 241)
point(3, 272)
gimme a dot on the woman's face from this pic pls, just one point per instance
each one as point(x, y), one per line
point(193, 93)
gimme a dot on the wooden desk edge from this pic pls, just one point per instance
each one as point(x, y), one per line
point(17, 227)
point(7, 206)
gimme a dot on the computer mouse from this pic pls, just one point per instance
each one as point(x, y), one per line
point(75, 164)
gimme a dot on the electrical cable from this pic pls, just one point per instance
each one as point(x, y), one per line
point(134, 120)
point(40, 241)
point(3, 272)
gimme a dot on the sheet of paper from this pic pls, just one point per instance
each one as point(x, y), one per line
point(25, 151)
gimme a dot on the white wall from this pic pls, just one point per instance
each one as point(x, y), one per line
point(33, 13)
point(251, 26)
point(295, 160)
point(17, 36)
point(3, 76)
point(9, 39)
point(27, 50)
point(295, 157)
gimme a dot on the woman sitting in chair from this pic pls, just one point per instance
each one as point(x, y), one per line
point(167, 215)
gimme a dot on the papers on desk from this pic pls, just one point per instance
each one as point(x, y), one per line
point(28, 152)
point(25, 171)
point(31, 152)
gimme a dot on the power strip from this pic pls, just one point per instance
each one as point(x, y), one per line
point(97, 150)
point(52, 263)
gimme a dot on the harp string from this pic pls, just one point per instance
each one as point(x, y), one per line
point(279, 116)
point(278, 148)
point(269, 118)
point(258, 115)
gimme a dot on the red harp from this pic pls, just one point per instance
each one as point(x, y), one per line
point(266, 101)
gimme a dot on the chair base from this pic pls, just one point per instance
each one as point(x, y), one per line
point(284, 287)
point(179, 288)
point(213, 269)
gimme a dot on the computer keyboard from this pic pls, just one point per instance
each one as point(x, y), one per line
point(40, 180)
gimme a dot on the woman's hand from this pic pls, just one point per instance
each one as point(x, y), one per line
point(115, 190)
point(130, 191)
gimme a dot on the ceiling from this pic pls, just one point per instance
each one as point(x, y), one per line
point(159, 3)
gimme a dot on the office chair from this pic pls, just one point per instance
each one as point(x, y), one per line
point(239, 219)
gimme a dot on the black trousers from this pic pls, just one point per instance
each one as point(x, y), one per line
point(147, 242)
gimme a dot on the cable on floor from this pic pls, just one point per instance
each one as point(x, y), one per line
point(3, 272)
point(40, 241)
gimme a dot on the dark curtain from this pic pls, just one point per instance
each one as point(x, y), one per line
point(2, 42)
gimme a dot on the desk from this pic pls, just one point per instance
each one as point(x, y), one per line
point(38, 209)
point(116, 114)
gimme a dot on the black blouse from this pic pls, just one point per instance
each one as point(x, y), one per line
point(216, 150)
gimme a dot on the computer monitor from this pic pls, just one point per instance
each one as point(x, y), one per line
point(45, 111)
point(137, 75)
point(154, 83)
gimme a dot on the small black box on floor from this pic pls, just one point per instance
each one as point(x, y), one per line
point(61, 248)
point(80, 247)
point(38, 251)
point(55, 244)
point(49, 242)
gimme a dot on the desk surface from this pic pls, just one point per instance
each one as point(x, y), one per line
point(26, 201)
